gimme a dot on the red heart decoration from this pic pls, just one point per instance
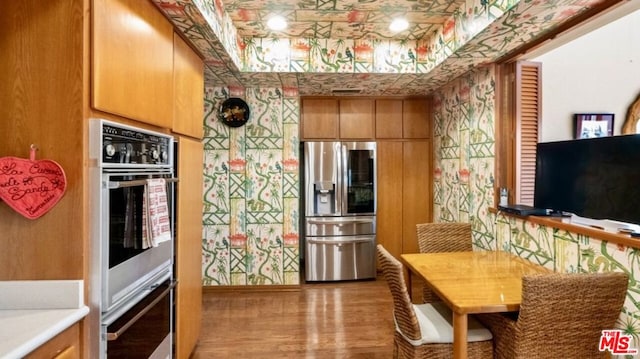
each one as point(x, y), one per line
point(31, 187)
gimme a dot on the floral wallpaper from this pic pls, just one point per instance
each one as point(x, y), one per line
point(464, 145)
point(478, 32)
point(464, 158)
point(251, 190)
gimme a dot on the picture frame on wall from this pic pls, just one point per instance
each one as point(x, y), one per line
point(592, 125)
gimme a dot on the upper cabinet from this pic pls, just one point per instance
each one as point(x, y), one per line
point(415, 118)
point(132, 61)
point(188, 94)
point(357, 119)
point(365, 118)
point(388, 123)
point(319, 118)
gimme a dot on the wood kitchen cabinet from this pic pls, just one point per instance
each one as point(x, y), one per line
point(132, 61)
point(188, 94)
point(333, 119)
point(408, 118)
point(356, 119)
point(404, 193)
point(65, 345)
point(415, 118)
point(188, 270)
point(389, 118)
point(319, 119)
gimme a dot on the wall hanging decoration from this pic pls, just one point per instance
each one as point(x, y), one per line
point(29, 186)
point(590, 125)
point(234, 112)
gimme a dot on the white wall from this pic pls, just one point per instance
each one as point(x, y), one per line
point(598, 72)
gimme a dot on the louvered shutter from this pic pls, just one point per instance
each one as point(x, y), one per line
point(528, 109)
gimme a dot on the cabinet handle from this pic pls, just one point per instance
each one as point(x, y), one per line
point(115, 335)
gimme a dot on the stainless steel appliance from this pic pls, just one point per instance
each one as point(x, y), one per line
point(126, 268)
point(340, 210)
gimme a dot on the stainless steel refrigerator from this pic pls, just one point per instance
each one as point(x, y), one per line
point(340, 210)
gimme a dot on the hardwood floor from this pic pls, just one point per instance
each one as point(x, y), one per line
point(321, 320)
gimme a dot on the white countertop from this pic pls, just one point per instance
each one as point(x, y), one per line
point(33, 312)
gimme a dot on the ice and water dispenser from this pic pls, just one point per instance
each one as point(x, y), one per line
point(324, 197)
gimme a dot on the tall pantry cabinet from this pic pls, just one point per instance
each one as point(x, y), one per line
point(403, 136)
point(65, 62)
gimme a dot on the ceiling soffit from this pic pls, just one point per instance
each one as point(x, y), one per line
point(475, 35)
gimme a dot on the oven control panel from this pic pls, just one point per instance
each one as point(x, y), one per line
point(126, 145)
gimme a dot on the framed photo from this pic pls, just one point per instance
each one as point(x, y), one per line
point(590, 125)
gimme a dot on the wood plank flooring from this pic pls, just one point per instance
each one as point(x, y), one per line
point(321, 320)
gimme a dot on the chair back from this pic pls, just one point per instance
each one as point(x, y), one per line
point(403, 313)
point(563, 314)
point(444, 237)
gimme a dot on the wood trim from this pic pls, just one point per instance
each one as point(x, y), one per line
point(528, 91)
point(505, 130)
point(596, 10)
point(253, 288)
point(591, 232)
point(633, 116)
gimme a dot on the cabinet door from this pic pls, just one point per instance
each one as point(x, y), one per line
point(63, 346)
point(319, 118)
point(416, 118)
point(416, 191)
point(188, 246)
point(389, 118)
point(132, 61)
point(389, 214)
point(357, 119)
point(188, 92)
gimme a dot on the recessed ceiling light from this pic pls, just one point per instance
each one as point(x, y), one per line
point(399, 24)
point(277, 23)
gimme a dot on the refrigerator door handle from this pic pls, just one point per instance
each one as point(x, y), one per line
point(341, 242)
point(345, 179)
point(341, 222)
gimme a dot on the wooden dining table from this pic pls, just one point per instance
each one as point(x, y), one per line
point(471, 283)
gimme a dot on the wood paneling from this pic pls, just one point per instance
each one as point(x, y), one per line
point(41, 92)
point(357, 119)
point(188, 246)
point(415, 118)
point(389, 207)
point(133, 61)
point(188, 77)
point(416, 194)
point(319, 118)
point(389, 118)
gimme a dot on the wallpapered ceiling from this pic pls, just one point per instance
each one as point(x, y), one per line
point(479, 33)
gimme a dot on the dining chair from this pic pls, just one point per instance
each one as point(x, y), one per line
point(425, 330)
point(562, 315)
point(442, 237)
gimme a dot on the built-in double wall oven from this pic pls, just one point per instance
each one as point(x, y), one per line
point(132, 240)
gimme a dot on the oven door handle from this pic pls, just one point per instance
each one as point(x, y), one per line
point(122, 184)
point(115, 335)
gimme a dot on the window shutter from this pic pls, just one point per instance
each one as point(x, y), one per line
point(528, 109)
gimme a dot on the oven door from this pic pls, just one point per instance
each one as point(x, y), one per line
point(127, 266)
point(145, 330)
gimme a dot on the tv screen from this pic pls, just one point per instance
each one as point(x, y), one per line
point(596, 178)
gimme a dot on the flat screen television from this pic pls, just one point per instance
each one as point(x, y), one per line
point(596, 178)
